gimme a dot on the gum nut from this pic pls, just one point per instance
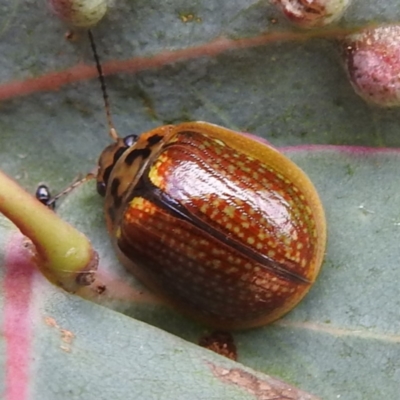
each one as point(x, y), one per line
point(312, 13)
point(79, 13)
point(372, 61)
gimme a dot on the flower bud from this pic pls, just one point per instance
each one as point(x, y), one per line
point(312, 13)
point(79, 13)
point(372, 61)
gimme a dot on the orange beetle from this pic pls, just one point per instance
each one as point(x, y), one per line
point(223, 227)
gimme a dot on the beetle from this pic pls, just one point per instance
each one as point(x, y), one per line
point(222, 226)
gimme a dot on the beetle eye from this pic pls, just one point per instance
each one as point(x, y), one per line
point(130, 140)
point(101, 188)
point(44, 196)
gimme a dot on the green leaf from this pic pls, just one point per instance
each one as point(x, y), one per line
point(342, 340)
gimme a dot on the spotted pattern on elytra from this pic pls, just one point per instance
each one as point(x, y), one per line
point(222, 281)
point(226, 229)
point(238, 195)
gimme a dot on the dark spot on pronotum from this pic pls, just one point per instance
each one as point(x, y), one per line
point(114, 186)
point(111, 213)
point(117, 201)
point(140, 186)
point(107, 173)
point(152, 140)
point(101, 188)
point(134, 154)
point(114, 192)
point(102, 185)
point(118, 154)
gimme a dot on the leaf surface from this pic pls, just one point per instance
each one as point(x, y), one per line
point(232, 66)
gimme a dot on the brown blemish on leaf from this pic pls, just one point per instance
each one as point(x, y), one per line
point(71, 36)
point(113, 288)
point(65, 348)
point(67, 336)
point(267, 388)
point(50, 322)
point(186, 17)
point(116, 289)
point(221, 343)
point(101, 289)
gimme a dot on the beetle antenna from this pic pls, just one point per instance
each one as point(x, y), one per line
point(78, 181)
point(112, 131)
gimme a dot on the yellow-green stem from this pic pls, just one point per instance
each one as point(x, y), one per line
point(63, 254)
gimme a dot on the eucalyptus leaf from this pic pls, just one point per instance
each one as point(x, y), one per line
point(342, 341)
